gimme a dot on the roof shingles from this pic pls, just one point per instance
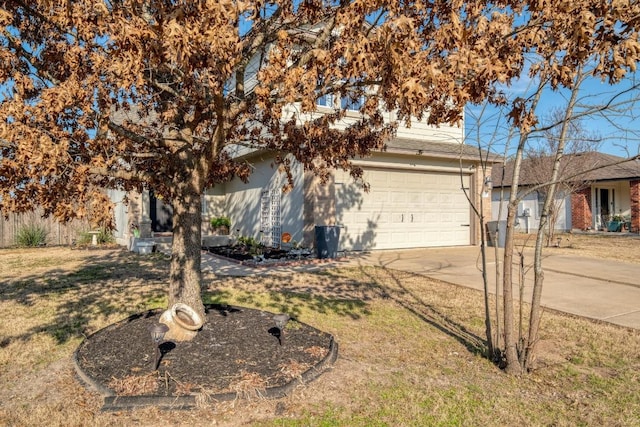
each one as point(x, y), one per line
point(588, 166)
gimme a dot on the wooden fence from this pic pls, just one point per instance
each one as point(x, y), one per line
point(57, 233)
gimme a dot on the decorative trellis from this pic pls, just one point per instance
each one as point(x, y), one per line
point(270, 218)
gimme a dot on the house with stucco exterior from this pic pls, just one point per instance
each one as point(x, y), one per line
point(417, 198)
point(597, 187)
point(421, 185)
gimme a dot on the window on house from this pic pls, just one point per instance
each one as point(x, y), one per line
point(326, 101)
point(352, 103)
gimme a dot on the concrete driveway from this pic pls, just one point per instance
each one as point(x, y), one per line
point(594, 288)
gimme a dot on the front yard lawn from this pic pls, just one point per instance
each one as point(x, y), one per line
point(409, 349)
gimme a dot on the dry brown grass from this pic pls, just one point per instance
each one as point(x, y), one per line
point(135, 385)
point(250, 385)
point(617, 246)
point(409, 349)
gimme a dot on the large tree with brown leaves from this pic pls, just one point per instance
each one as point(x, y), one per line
point(201, 75)
point(204, 75)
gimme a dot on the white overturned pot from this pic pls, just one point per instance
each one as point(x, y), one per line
point(183, 322)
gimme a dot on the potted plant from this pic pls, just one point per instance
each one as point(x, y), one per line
point(615, 224)
point(135, 230)
point(220, 225)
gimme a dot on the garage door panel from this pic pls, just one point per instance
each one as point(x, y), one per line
point(384, 238)
point(416, 238)
point(431, 198)
point(414, 219)
point(447, 200)
point(377, 180)
point(414, 198)
point(428, 180)
point(397, 218)
point(431, 217)
point(462, 217)
point(384, 217)
point(450, 180)
point(380, 197)
point(397, 180)
point(406, 209)
point(364, 218)
point(446, 218)
point(415, 184)
point(398, 198)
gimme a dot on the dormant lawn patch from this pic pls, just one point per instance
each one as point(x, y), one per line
point(410, 349)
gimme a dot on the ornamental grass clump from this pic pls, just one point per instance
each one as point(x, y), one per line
point(31, 236)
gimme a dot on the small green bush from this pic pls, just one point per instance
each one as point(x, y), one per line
point(31, 236)
point(221, 221)
point(105, 236)
point(252, 244)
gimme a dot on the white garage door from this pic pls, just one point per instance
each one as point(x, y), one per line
point(403, 210)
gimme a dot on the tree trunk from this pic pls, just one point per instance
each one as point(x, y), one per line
point(536, 309)
point(185, 276)
point(510, 341)
point(491, 351)
point(535, 314)
point(513, 365)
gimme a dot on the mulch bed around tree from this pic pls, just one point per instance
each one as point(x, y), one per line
point(238, 353)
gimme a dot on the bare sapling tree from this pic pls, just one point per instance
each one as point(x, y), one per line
point(525, 120)
point(478, 210)
point(554, 71)
point(486, 127)
point(556, 129)
point(564, 162)
point(527, 346)
point(571, 162)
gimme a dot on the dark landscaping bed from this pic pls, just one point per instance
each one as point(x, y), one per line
point(263, 256)
point(237, 353)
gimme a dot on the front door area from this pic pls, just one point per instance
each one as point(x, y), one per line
point(161, 214)
point(604, 206)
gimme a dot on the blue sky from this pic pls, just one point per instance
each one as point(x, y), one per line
point(618, 127)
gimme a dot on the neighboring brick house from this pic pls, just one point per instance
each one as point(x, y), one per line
point(608, 187)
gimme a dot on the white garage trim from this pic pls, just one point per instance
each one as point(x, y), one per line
point(409, 167)
point(404, 209)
